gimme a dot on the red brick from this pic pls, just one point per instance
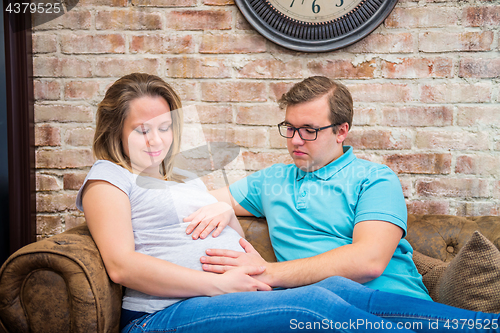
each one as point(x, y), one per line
point(187, 90)
point(88, 44)
point(261, 160)
point(208, 114)
point(278, 89)
point(275, 139)
point(496, 190)
point(481, 16)
point(244, 136)
point(483, 165)
point(161, 44)
point(71, 221)
point(74, 180)
point(405, 184)
point(456, 93)
point(55, 202)
point(422, 17)
point(47, 90)
point(364, 116)
point(199, 20)
point(440, 41)
point(242, 23)
point(47, 182)
point(127, 19)
point(270, 69)
point(457, 140)
point(63, 159)
point(232, 43)
point(378, 139)
point(197, 68)
point(46, 135)
point(417, 116)
point(44, 43)
point(419, 163)
point(79, 136)
point(380, 92)
point(428, 207)
point(63, 113)
point(483, 115)
point(384, 43)
point(342, 69)
point(238, 91)
point(479, 68)
point(453, 187)
point(81, 89)
point(218, 2)
point(414, 68)
point(105, 67)
point(93, 3)
point(266, 114)
point(74, 19)
point(48, 224)
point(59, 67)
point(477, 209)
point(165, 3)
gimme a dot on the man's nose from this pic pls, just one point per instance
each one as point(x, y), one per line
point(296, 139)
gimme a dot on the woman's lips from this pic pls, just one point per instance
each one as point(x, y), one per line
point(154, 153)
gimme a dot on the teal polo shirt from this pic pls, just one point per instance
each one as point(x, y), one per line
point(309, 213)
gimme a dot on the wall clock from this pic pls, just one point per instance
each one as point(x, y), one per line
point(315, 25)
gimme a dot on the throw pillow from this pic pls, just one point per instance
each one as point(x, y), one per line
point(472, 279)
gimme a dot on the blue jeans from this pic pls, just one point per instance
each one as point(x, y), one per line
point(335, 304)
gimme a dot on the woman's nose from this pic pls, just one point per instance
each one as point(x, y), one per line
point(153, 138)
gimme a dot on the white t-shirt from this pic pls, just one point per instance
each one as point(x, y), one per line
point(158, 208)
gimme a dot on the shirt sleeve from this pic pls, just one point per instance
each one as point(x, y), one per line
point(109, 172)
point(381, 199)
point(248, 192)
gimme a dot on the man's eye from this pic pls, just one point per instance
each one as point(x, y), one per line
point(310, 130)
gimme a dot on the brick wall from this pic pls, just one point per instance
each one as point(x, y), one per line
point(426, 86)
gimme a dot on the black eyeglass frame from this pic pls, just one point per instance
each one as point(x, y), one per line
point(296, 129)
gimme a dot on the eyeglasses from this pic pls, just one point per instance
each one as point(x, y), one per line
point(305, 133)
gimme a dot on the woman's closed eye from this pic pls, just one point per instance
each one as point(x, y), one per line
point(165, 129)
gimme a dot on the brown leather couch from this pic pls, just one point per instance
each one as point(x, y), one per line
point(59, 284)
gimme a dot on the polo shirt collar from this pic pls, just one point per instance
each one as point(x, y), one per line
point(332, 168)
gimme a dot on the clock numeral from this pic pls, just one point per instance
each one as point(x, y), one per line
point(341, 3)
point(316, 8)
point(291, 5)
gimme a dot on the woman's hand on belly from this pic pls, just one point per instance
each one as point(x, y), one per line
point(240, 280)
point(212, 217)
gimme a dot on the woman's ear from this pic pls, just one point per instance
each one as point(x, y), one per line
point(342, 132)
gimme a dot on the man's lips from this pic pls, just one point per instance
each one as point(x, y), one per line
point(299, 153)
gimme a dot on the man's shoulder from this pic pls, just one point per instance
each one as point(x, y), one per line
point(278, 170)
point(371, 169)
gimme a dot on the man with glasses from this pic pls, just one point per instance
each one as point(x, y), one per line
point(329, 213)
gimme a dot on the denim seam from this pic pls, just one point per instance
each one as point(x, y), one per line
point(236, 316)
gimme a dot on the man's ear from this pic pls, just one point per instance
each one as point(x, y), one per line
point(342, 132)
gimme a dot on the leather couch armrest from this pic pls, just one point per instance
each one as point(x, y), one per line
point(59, 284)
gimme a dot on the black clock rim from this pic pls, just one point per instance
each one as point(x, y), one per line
point(324, 45)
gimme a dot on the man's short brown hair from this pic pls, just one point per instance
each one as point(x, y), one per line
point(339, 100)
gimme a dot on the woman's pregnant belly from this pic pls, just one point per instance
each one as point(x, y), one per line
point(174, 245)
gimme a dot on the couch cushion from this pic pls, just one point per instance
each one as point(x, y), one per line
point(470, 281)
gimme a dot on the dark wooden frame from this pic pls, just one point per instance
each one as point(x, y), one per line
point(20, 118)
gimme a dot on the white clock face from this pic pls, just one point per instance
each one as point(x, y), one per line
point(315, 11)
